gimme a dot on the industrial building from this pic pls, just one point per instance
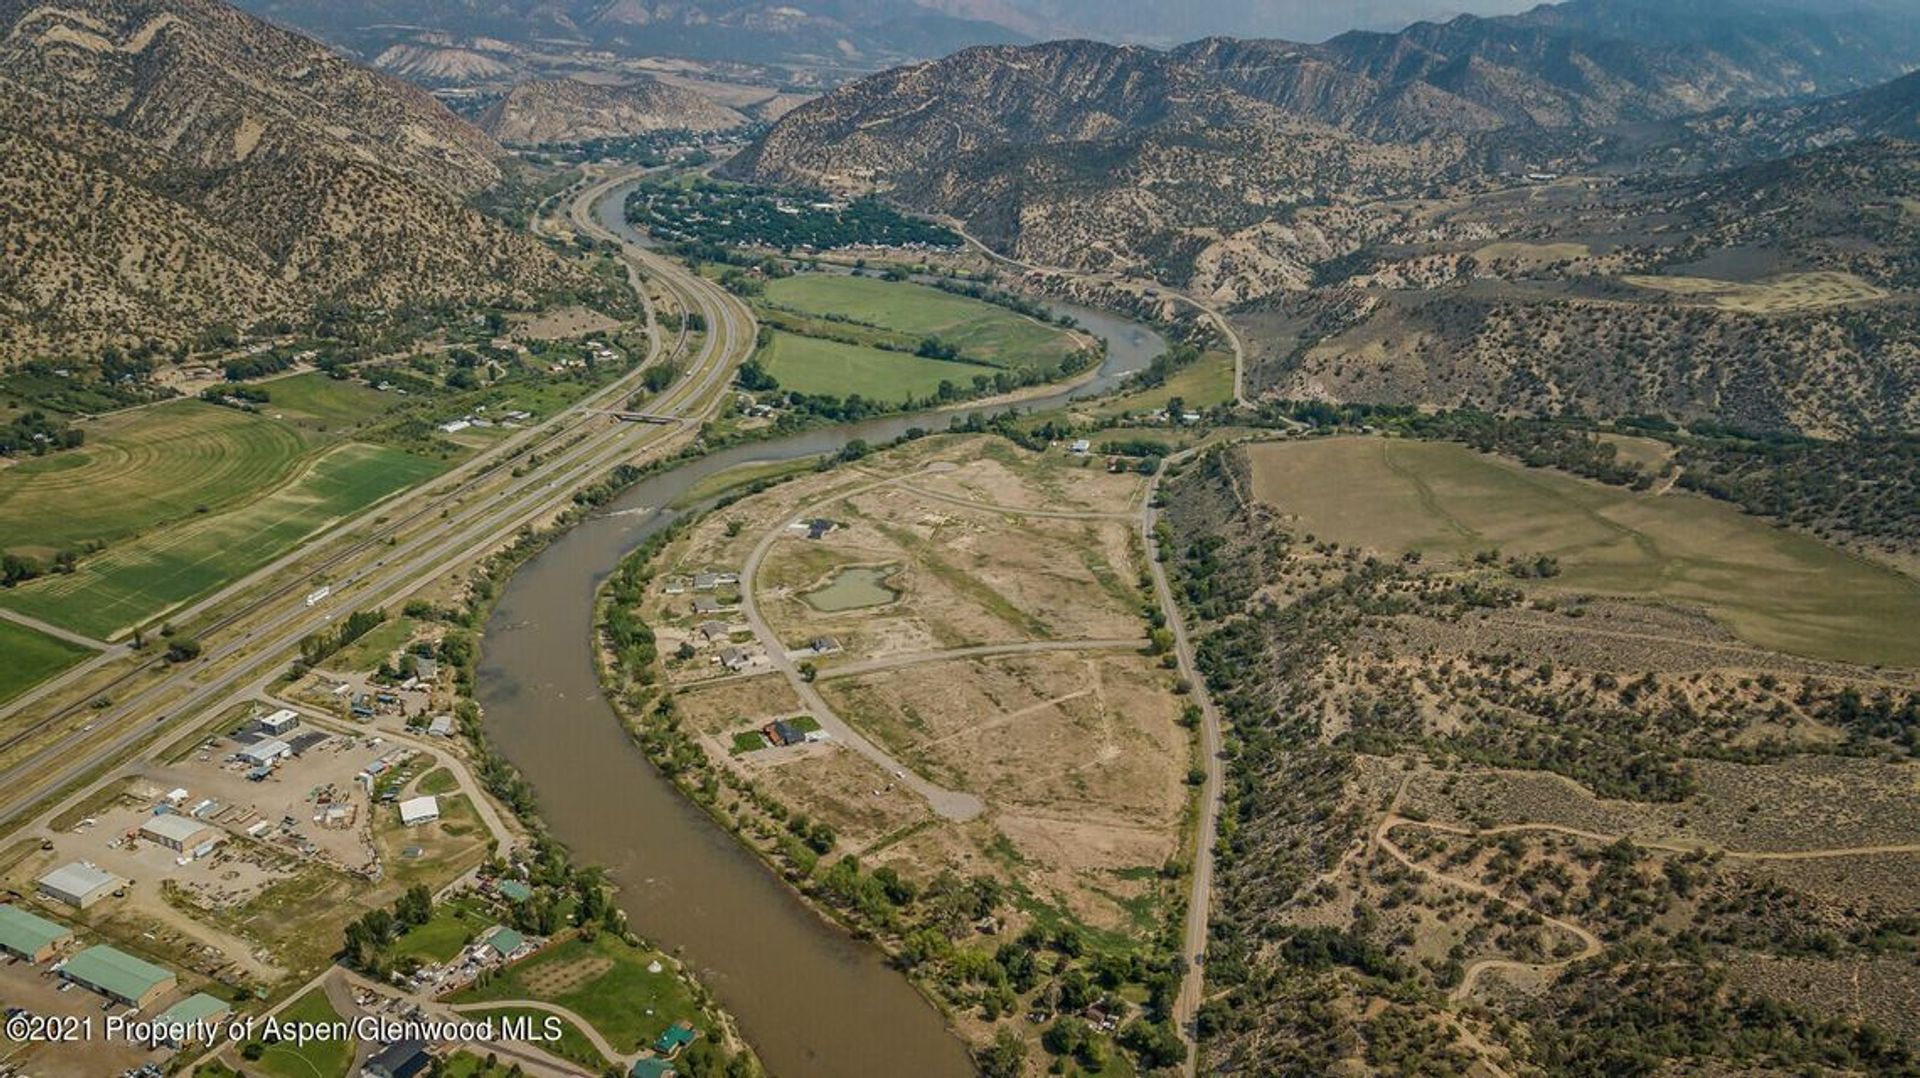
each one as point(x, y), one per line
point(419, 810)
point(278, 723)
point(118, 975)
point(401, 1059)
point(181, 1018)
point(30, 936)
point(262, 753)
point(177, 832)
point(79, 884)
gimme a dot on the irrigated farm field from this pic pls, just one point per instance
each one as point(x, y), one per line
point(145, 577)
point(1776, 588)
point(815, 365)
point(31, 657)
point(980, 330)
point(139, 470)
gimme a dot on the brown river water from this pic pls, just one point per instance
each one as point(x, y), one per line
point(809, 998)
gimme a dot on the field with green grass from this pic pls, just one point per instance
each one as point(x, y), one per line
point(605, 981)
point(1776, 588)
point(32, 657)
point(367, 653)
point(141, 469)
point(330, 404)
point(981, 330)
point(143, 578)
point(314, 1059)
point(450, 928)
point(1207, 382)
point(813, 365)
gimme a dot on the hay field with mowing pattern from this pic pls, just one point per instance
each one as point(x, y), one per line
point(142, 469)
point(142, 579)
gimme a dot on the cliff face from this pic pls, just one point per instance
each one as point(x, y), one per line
point(564, 110)
point(225, 170)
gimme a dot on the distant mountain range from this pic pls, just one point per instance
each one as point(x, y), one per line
point(1119, 157)
point(166, 165)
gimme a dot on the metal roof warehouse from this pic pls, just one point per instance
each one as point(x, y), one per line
point(115, 973)
point(28, 935)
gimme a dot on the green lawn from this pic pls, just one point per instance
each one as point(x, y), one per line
point(1777, 588)
point(315, 1059)
point(142, 469)
point(326, 403)
point(453, 924)
point(616, 1001)
point(813, 365)
point(366, 653)
point(32, 657)
point(981, 330)
point(143, 578)
point(438, 781)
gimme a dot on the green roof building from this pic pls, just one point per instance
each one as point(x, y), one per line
point(678, 1036)
point(652, 1067)
point(119, 975)
point(198, 1007)
point(30, 936)
point(515, 891)
point(505, 941)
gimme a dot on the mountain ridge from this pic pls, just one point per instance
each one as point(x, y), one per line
point(234, 171)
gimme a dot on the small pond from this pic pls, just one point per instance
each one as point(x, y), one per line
point(853, 588)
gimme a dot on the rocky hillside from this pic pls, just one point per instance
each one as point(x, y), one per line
point(170, 164)
point(851, 34)
point(1136, 160)
point(566, 110)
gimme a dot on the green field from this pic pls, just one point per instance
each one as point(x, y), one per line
point(981, 330)
point(1776, 588)
point(450, 928)
point(1207, 382)
point(813, 365)
point(141, 579)
point(32, 657)
point(367, 653)
point(315, 1059)
point(141, 469)
point(605, 981)
point(329, 403)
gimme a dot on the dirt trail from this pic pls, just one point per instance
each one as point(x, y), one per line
point(1666, 847)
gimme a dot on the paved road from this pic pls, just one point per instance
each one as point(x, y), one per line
point(951, 804)
point(246, 665)
point(1193, 942)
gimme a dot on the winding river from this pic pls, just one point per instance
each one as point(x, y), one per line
point(811, 999)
